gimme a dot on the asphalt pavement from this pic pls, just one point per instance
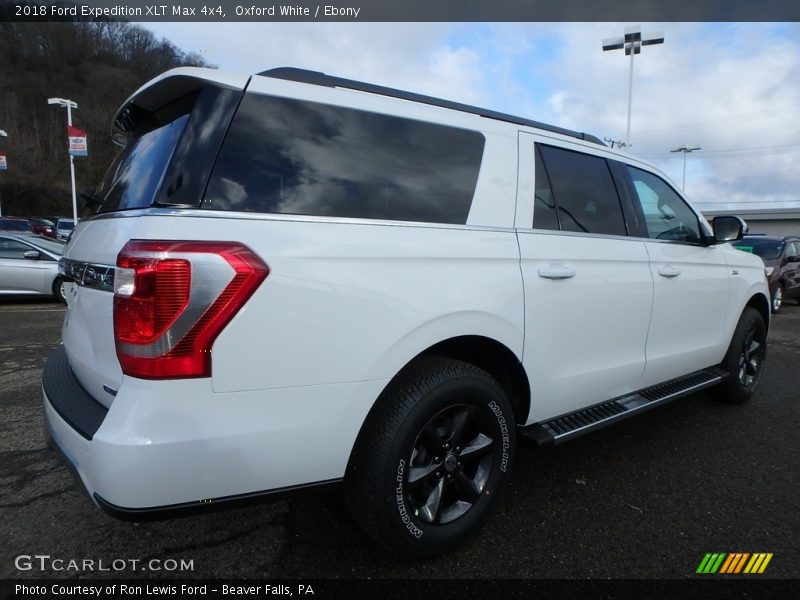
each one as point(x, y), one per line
point(646, 498)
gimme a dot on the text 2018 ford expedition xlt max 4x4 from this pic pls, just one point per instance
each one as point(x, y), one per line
point(293, 279)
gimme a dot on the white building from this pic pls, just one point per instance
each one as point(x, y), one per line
point(769, 221)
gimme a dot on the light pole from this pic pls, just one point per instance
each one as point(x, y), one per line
point(69, 105)
point(685, 151)
point(632, 42)
point(2, 134)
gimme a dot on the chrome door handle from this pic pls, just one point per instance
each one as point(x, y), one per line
point(669, 271)
point(556, 272)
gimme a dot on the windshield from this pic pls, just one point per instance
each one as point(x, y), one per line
point(14, 225)
point(44, 243)
point(68, 225)
point(765, 248)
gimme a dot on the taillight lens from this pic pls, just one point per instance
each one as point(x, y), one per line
point(173, 298)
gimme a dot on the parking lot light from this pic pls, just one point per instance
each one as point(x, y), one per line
point(632, 43)
point(69, 105)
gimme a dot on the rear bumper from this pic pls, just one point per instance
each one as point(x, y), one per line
point(170, 447)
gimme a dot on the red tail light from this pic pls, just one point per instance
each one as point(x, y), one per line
point(173, 298)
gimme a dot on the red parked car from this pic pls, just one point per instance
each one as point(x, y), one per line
point(43, 227)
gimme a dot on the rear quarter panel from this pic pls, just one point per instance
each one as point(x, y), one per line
point(348, 302)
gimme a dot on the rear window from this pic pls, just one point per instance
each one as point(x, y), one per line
point(295, 157)
point(169, 152)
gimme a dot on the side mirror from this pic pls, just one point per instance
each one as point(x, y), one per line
point(728, 229)
point(32, 255)
point(794, 258)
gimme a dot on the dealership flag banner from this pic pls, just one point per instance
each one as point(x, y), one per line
point(3, 162)
point(77, 141)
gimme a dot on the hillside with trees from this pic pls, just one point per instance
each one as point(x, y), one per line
point(97, 65)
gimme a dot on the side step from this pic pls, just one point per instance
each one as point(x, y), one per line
point(572, 425)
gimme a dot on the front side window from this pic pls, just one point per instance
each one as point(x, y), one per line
point(666, 215)
point(13, 249)
point(304, 158)
point(584, 192)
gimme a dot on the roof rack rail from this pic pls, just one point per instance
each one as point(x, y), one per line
point(317, 78)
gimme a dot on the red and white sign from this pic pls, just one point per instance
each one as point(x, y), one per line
point(3, 162)
point(77, 141)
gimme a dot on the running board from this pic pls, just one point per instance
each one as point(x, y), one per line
point(572, 425)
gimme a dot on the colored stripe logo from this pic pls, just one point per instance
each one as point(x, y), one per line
point(734, 563)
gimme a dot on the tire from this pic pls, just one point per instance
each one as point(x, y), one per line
point(777, 298)
point(745, 359)
point(59, 293)
point(432, 459)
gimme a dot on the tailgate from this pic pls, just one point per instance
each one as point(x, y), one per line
point(88, 330)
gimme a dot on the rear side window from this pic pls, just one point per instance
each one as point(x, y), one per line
point(584, 192)
point(295, 157)
point(133, 178)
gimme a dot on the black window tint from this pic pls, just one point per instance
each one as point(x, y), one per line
point(13, 249)
point(295, 157)
point(666, 215)
point(584, 192)
point(132, 179)
point(544, 208)
point(766, 249)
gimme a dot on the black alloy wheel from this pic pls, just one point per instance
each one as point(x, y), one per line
point(745, 359)
point(432, 458)
point(450, 463)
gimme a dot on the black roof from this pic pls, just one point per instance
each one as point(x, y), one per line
point(317, 78)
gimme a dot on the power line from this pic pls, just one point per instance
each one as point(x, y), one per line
point(753, 202)
point(724, 121)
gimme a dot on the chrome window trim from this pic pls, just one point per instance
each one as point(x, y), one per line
point(252, 216)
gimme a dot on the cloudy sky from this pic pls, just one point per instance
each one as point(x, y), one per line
point(732, 89)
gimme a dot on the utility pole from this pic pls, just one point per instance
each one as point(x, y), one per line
point(685, 151)
point(632, 42)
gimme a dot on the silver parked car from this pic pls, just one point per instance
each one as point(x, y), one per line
point(29, 266)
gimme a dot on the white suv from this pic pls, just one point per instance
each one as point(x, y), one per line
point(293, 279)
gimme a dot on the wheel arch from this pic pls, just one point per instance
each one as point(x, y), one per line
point(486, 353)
point(763, 305)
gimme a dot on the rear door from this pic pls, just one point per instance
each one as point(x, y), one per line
point(588, 287)
point(691, 282)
